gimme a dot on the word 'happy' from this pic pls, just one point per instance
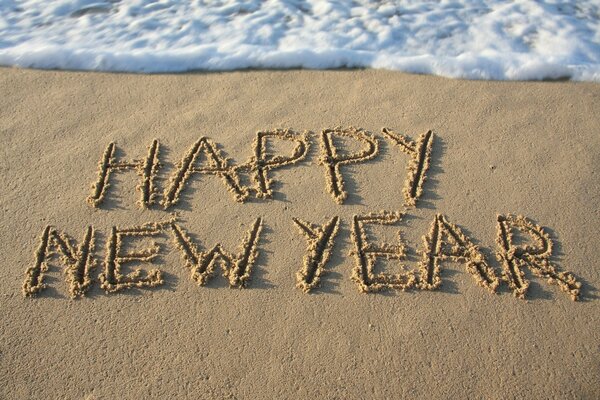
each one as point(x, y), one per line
point(443, 241)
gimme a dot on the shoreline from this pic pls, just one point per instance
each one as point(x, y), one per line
point(298, 69)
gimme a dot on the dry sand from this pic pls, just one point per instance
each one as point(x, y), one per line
point(498, 148)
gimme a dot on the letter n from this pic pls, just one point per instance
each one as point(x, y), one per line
point(77, 260)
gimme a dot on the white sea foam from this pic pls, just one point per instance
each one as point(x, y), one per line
point(462, 38)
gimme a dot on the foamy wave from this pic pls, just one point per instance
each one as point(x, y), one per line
point(464, 38)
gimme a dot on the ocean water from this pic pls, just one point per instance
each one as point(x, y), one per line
point(506, 40)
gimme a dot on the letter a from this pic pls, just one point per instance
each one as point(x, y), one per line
point(217, 165)
point(461, 249)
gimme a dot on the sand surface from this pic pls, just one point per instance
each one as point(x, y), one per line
point(498, 148)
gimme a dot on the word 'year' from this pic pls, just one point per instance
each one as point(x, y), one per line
point(444, 241)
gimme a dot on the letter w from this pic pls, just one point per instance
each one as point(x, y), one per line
point(236, 267)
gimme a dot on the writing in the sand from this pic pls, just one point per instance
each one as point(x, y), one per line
point(444, 241)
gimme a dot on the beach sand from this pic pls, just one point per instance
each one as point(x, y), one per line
point(522, 148)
